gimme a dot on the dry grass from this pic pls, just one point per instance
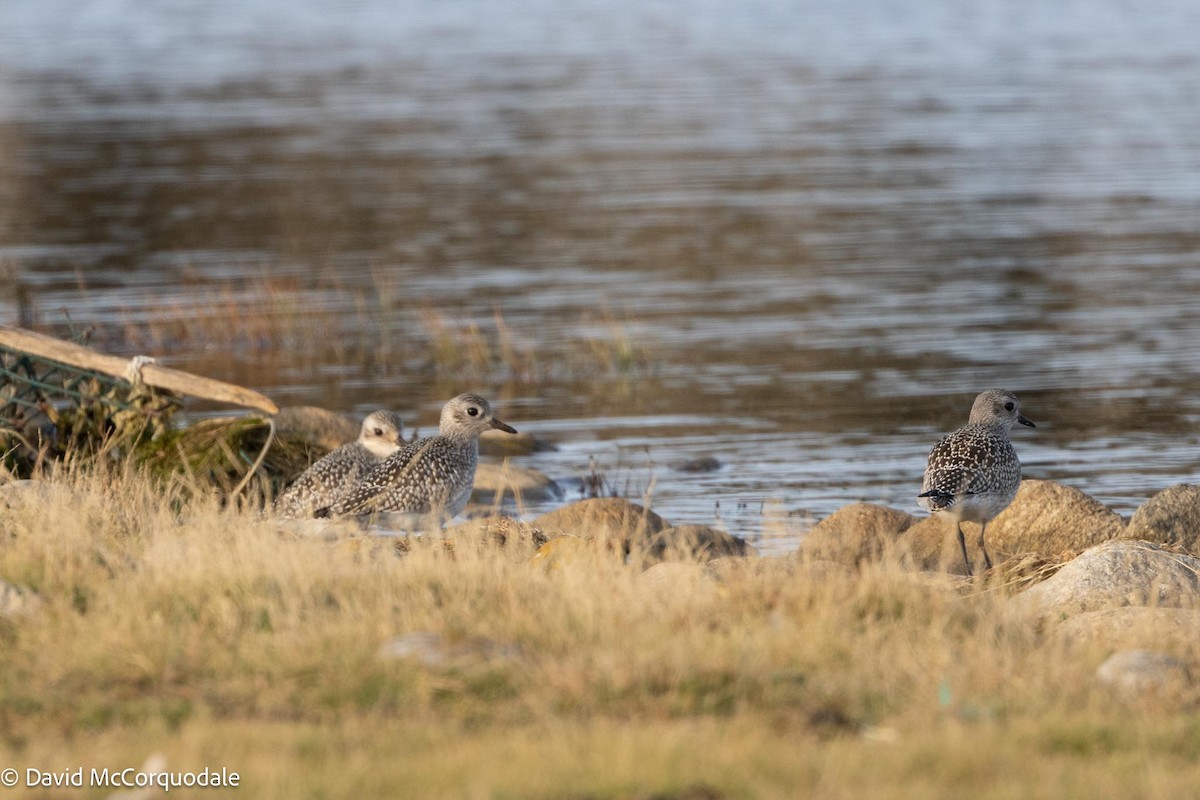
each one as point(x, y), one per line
point(497, 351)
point(328, 321)
point(263, 314)
point(210, 636)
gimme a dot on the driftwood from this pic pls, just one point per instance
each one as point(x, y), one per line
point(173, 380)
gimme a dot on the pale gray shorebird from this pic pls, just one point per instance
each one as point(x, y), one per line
point(973, 474)
point(328, 478)
point(430, 479)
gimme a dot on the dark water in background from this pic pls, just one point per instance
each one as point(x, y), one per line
point(798, 237)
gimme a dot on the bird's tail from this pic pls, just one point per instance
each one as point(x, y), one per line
point(937, 500)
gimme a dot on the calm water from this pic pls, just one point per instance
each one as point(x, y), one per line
point(798, 237)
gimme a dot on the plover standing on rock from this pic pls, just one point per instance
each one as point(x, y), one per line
point(973, 474)
point(328, 478)
point(430, 479)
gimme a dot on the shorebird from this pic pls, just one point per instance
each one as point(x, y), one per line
point(973, 474)
point(429, 478)
point(328, 478)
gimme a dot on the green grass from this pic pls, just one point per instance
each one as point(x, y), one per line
point(214, 638)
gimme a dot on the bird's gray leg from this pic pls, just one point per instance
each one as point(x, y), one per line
point(962, 543)
point(986, 558)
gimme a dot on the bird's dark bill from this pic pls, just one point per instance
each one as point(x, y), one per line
point(500, 426)
point(1021, 418)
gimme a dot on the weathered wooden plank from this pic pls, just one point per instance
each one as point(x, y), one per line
point(173, 380)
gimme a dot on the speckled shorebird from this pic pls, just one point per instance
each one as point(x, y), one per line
point(327, 479)
point(429, 478)
point(973, 474)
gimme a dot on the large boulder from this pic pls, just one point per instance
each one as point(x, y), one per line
point(855, 533)
point(1175, 629)
point(929, 545)
point(1048, 518)
point(1170, 517)
point(604, 518)
point(1112, 575)
point(1045, 519)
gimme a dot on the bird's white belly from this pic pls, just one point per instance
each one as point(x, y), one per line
point(981, 508)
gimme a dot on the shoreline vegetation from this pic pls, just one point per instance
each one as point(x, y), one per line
point(598, 651)
point(369, 326)
point(153, 614)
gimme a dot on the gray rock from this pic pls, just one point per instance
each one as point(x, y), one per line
point(1113, 575)
point(701, 464)
point(1170, 517)
point(1141, 671)
point(494, 482)
point(1132, 627)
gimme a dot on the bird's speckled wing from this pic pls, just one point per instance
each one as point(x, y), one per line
point(363, 496)
point(972, 460)
point(437, 478)
point(324, 481)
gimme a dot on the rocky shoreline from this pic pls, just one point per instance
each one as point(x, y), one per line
point(1068, 566)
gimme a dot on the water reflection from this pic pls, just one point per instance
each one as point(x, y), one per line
point(814, 231)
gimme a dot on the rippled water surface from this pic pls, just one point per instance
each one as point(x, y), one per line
point(796, 237)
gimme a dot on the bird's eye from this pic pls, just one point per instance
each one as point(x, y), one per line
point(1009, 406)
point(379, 431)
point(472, 412)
